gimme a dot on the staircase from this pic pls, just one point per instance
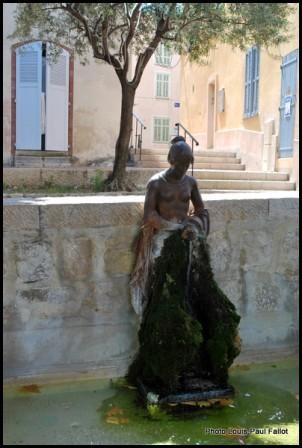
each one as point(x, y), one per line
point(42, 159)
point(220, 170)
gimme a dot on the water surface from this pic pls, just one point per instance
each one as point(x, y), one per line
point(104, 412)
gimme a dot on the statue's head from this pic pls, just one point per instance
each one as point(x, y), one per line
point(178, 138)
point(180, 152)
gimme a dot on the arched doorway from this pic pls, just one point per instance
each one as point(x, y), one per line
point(41, 99)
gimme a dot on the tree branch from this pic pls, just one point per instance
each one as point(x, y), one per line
point(133, 21)
point(163, 26)
point(116, 28)
point(107, 56)
point(75, 13)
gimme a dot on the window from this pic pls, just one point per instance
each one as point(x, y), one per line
point(251, 82)
point(161, 128)
point(163, 55)
point(162, 85)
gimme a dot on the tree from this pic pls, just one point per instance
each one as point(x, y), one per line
point(116, 31)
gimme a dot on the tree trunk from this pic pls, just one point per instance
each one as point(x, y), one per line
point(116, 180)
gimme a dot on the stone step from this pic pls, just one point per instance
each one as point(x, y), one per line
point(41, 161)
point(197, 159)
point(72, 176)
point(42, 153)
point(228, 184)
point(239, 175)
point(206, 166)
point(197, 152)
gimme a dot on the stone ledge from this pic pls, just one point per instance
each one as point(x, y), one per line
point(75, 373)
point(106, 210)
point(20, 218)
point(288, 206)
point(263, 354)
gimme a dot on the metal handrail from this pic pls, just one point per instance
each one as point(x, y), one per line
point(138, 136)
point(178, 125)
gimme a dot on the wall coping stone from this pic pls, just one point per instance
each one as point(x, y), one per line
point(107, 210)
point(111, 198)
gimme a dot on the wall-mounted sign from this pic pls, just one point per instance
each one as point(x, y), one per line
point(176, 104)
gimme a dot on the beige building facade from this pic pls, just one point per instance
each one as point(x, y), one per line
point(208, 100)
point(94, 103)
point(157, 100)
point(213, 102)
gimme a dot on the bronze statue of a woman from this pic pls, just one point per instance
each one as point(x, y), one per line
point(188, 326)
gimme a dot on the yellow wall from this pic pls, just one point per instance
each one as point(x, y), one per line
point(194, 89)
point(228, 66)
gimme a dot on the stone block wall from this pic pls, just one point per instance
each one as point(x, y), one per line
point(74, 176)
point(66, 271)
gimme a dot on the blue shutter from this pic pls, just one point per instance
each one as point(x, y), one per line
point(246, 86)
point(251, 90)
point(288, 94)
point(28, 96)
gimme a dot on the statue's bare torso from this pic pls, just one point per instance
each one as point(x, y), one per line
point(169, 198)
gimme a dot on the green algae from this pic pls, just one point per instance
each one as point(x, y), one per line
point(76, 413)
point(258, 410)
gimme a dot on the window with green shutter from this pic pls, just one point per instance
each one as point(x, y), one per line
point(251, 93)
point(161, 130)
point(163, 55)
point(162, 85)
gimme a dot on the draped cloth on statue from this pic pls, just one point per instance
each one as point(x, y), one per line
point(188, 325)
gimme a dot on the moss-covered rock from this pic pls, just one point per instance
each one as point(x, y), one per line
point(189, 324)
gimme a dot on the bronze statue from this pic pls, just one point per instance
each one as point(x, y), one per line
point(188, 329)
point(169, 192)
point(167, 202)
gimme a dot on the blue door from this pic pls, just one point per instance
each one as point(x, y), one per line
point(28, 96)
point(288, 103)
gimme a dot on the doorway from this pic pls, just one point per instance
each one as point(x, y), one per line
point(41, 99)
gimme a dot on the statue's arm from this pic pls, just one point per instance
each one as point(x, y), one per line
point(151, 216)
point(199, 209)
point(197, 200)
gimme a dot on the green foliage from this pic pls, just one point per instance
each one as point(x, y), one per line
point(97, 182)
point(111, 29)
point(155, 412)
point(48, 184)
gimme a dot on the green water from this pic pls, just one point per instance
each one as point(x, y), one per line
point(101, 412)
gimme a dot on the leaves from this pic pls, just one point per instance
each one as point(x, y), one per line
point(30, 388)
point(112, 30)
point(115, 416)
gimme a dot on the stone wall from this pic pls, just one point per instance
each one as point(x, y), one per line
point(66, 270)
point(73, 176)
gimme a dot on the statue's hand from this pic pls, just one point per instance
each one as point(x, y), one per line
point(190, 232)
